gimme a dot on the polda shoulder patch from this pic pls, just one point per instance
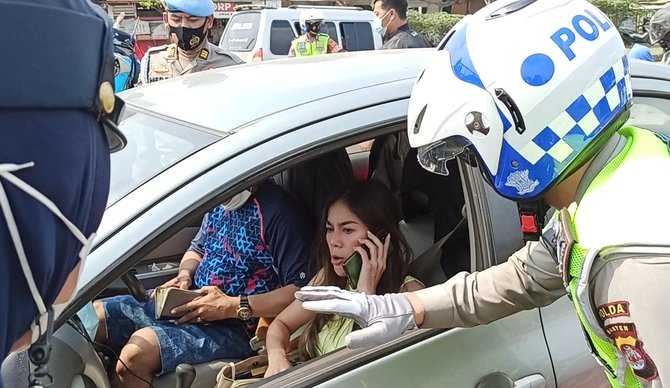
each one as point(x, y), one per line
point(613, 310)
point(625, 338)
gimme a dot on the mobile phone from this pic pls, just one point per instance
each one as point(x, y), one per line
point(352, 267)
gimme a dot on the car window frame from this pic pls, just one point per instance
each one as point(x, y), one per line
point(657, 95)
point(259, 31)
point(342, 33)
point(350, 360)
point(293, 36)
point(147, 244)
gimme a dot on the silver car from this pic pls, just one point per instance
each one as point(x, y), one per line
point(196, 139)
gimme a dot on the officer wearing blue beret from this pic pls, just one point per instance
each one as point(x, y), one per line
point(188, 22)
point(58, 117)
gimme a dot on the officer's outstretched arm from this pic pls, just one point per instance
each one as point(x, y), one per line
point(528, 279)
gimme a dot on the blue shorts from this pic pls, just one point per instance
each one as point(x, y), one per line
point(188, 343)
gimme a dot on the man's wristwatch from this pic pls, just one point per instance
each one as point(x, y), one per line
point(244, 311)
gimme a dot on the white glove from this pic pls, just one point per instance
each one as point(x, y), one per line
point(381, 317)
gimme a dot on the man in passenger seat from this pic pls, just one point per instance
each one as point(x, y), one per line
point(247, 260)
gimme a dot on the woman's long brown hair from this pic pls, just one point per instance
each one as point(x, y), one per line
point(374, 204)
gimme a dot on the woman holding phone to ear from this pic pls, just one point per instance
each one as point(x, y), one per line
point(362, 220)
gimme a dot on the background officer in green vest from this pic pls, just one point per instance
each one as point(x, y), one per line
point(544, 115)
point(313, 41)
point(188, 22)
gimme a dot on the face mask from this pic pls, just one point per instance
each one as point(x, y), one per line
point(43, 324)
point(379, 24)
point(189, 38)
point(237, 200)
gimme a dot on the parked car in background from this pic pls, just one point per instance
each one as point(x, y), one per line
point(262, 34)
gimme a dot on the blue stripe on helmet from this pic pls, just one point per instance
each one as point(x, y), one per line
point(461, 64)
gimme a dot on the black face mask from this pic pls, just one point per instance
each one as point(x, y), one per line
point(189, 38)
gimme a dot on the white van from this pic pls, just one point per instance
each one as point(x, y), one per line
point(262, 34)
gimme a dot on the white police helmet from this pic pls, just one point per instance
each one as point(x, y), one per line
point(310, 16)
point(528, 85)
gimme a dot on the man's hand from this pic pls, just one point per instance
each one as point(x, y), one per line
point(182, 280)
point(213, 305)
point(381, 317)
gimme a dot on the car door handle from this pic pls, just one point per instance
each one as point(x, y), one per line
point(532, 381)
point(501, 380)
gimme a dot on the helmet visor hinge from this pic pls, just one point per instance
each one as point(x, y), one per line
point(513, 109)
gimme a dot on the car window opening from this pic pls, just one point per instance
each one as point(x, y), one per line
point(388, 159)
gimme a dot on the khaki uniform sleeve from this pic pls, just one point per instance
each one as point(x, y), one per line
point(528, 279)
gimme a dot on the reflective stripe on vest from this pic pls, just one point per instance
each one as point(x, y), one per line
point(304, 48)
point(592, 231)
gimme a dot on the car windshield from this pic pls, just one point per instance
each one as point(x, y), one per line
point(154, 145)
point(240, 34)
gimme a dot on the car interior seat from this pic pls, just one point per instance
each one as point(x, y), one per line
point(432, 207)
point(313, 181)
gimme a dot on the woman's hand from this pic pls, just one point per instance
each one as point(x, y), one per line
point(276, 364)
point(213, 305)
point(374, 263)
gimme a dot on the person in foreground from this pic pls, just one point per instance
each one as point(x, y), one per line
point(363, 219)
point(546, 123)
point(57, 128)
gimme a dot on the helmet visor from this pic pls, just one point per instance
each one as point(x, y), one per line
point(434, 157)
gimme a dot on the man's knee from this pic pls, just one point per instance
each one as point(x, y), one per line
point(141, 355)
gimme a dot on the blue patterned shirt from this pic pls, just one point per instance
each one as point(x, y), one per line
point(257, 248)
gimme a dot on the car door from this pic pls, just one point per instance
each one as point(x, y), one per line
point(512, 349)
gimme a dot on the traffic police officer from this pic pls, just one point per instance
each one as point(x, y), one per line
point(190, 51)
point(58, 118)
point(544, 115)
point(392, 25)
point(313, 41)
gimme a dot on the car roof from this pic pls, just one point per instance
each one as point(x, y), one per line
point(227, 99)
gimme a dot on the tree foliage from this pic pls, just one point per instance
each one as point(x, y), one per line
point(433, 26)
point(619, 10)
point(150, 4)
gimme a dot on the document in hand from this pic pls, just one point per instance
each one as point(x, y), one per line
point(168, 298)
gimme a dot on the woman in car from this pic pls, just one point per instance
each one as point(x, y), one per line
point(364, 219)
